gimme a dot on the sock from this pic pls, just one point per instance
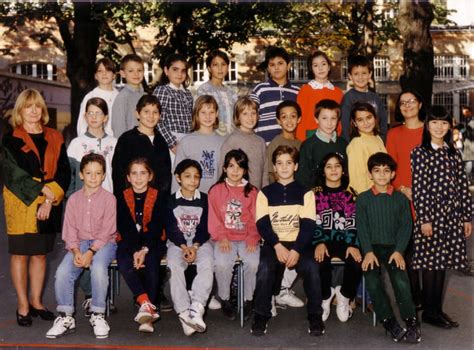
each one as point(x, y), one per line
point(142, 298)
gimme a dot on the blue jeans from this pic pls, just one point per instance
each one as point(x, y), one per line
point(67, 273)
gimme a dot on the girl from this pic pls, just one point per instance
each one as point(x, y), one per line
point(336, 235)
point(188, 243)
point(143, 141)
point(244, 138)
point(140, 226)
point(365, 142)
point(401, 140)
point(443, 210)
point(232, 226)
point(176, 101)
point(203, 145)
point(217, 63)
point(319, 88)
point(94, 140)
point(104, 75)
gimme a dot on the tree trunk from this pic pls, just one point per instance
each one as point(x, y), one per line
point(418, 55)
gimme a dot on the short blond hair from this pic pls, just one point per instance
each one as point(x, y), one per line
point(242, 103)
point(201, 101)
point(24, 98)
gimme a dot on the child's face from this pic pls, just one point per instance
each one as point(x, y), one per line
point(364, 121)
point(248, 119)
point(207, 116)
point(189, 180)
point(104, 76)
point(333, 171)
point(381, 175)
point(139, 177)
point(133, 73)
point(148, 116)
point(327, 121)
point(288, 119)
point(93, 175)
point(218, 69)
point(320, 69)
point(278, 69)
point(176, 73)
point(95, 118)
point(438, 130)
point(285, 167)
point(234, 172)
point(360, 77)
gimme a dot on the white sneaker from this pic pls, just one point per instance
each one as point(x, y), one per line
point(326, 305)
point(188, 330)
point(214, 304)
point(196, 312)
point(100, 325)
point(146, 313)
point(343, 308)
point(86, 307)
point(62, 325)
point(288, 297)
point(274, 309)
point(146, 327)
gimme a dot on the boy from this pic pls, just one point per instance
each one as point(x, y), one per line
point(384, 227)
point(360, 73)
point(324, 141)
point(89, 232)
point(271, 92)
point(123, 110)
point(286, 217)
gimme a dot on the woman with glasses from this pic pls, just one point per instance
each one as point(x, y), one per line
point(401, 140)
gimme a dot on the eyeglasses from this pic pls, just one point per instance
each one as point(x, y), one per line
point(411, 101)
point(95, 114)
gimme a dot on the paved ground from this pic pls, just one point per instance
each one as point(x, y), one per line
point(287, 331)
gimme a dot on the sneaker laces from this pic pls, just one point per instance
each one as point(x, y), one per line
point(149, 307)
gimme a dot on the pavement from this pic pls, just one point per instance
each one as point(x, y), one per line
point(287, 331)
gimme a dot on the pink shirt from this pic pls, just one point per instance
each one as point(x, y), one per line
point(90, 218)
point(231, 214)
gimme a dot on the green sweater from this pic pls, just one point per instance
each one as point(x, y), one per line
point(383, 219)
point(312, 153)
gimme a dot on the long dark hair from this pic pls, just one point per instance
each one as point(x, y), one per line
point(421, 113)
point(438, 113)
point(320, 176)
point(168, 62)
point(242, 161)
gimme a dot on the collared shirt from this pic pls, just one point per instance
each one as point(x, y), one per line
point(177, 88)
point(196, 195)
point(323, 137)
point(90, 217)
point(376, 192)
point(319, 86)
point(437, 147)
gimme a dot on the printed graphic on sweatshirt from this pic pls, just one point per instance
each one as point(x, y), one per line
point(188, 219)
point(208, 163)
point(285, 223)
point(233, 215)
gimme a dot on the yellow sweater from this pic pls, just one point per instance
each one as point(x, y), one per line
point(358, 152)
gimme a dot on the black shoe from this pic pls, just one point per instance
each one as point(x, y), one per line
point(44, 314)
point(165, 304)
point(413, 334)
point(24, 321)
point(228, 309)
point(248, 308)
point(316, 325)
point(453, 323)
point(437, 321)
point(393, 327)
point(259, 325)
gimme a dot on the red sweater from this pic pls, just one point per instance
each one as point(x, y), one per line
point(231, 214)
point(307, 99)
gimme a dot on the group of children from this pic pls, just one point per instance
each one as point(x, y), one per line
point(201, 186)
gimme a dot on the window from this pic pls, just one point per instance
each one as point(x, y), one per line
point(39, 70)
point(381, 68)
point(444, 99)
point(298, 70)
point(451, 67)
point(201, 74)
point(452, 101)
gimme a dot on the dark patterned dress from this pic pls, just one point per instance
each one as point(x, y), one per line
point(441, 197)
